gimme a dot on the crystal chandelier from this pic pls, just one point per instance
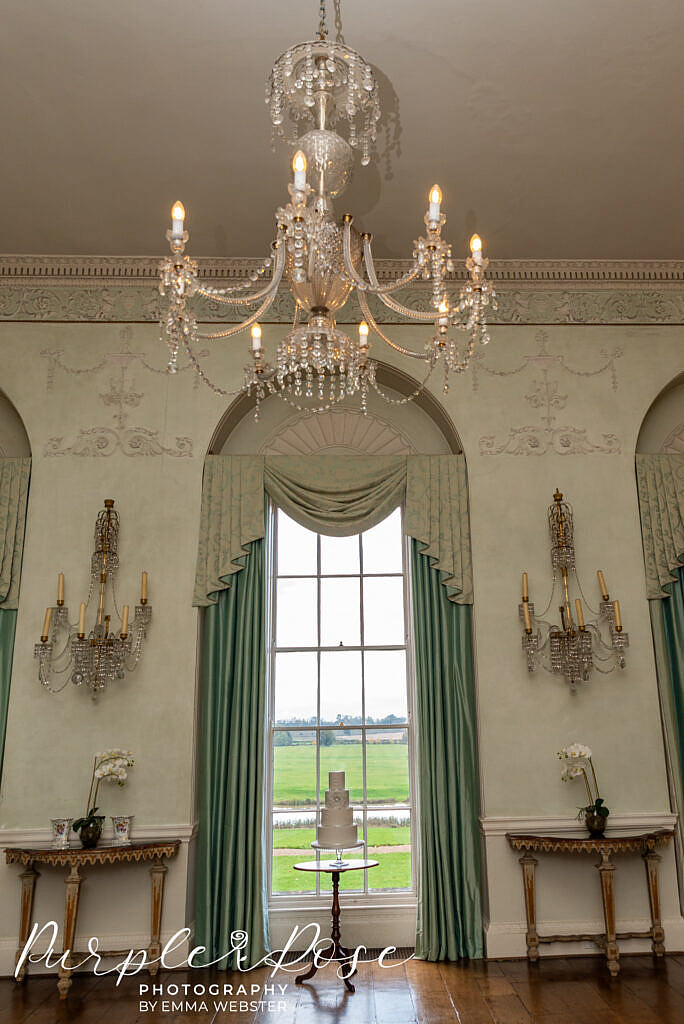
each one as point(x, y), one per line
point(573, 648)
point(101, 655)
point(323, 100)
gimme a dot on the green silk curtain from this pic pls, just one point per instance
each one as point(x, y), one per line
point(338, 496)
point(14, 483)
point(660, 482)
point(231, 884)
point(449, 896)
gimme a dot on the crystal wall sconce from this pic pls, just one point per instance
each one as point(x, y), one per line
point(576, 646)
point(100, 655)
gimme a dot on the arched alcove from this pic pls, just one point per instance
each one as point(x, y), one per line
point(419, 426)
point(662, 431)
point(14, 442)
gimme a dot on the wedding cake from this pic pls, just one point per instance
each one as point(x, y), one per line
point(337, 830)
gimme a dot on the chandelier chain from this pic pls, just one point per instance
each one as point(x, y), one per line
point(322, 26)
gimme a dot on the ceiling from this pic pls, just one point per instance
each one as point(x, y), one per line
point(556, 130)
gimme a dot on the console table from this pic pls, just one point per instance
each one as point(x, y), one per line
point(644, 844)
point(75, 860)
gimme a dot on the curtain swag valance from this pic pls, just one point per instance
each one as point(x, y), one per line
point(337, 495)
point(660, 482)
point(14, 482)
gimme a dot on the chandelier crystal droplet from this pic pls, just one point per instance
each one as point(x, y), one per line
point(323, 100)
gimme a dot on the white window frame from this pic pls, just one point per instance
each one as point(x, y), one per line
point(321, 900)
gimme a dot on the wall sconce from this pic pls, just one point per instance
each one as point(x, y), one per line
point(100, 655)
point(576, 646)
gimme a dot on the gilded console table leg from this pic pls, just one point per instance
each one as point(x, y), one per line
point(606, 871)
point(158, 874)
point(529, 863)
point(28, 888)
point(657, 934)
point(73, 887)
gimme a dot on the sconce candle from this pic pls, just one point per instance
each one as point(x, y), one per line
point(60, 588)
point(618, 619)
point(46, 624)
point(580, 615)
point(143, 588)
point(81, 619)
point(526, 617)
point(525, 595)
point(602, 585)
point(124, 620)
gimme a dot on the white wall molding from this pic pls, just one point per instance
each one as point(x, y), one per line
point(507, 939)
point(121, 289)
point(646, 821)
point(142, 834)
point(374, 926)
point(135, 269)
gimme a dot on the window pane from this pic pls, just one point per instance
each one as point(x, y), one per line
point(296, 548)
point(385, 681)
point(382, 546)
point(343, 754)
point(387, 768)
point(294, 773)
point(296, 624)
point(340, 614)
point(341, 688)
point(296, 688)
point(293, 833)
point(339, 555)
point(389, 841)
point(383, 610)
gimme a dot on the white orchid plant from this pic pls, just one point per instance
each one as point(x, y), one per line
point(576, 761)
point(112, 766)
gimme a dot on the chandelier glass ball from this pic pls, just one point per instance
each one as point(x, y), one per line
point(323, 100)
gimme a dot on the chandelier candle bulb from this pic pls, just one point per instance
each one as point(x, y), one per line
point(81, 620)
point(46, 625)
point(580, 615)
point(143, 588)
point(256, 338)
point(525, 592)
point(602, 585)
point(60, 589)
point(435, 200)
point(618, 618)
point(299, 168)
point(177, 218)
point(476, 248)
point(124, 621)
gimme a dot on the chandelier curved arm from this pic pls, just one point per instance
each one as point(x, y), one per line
point(370, 319)
point(372, 285)
point(220, 294)
point(229, 332)
point(396, 307)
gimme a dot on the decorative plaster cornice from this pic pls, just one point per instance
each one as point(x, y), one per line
point(119, 289)
point(136, 269)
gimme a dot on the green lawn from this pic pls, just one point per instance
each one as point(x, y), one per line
point(294, 781)
point(301, 838)
point(393, 872)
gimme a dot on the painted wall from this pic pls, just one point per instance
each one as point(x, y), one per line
point(543, 408)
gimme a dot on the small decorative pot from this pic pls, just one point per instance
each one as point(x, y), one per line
point(596, 824)
point(60, 832)
point(90, 834)
point(121, 825)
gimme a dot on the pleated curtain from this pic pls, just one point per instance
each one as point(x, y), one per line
point(660, 481)
point(338, 496)
point(14, 484)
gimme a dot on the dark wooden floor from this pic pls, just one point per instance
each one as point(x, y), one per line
point(576, 990)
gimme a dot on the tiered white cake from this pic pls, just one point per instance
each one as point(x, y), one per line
point(337, 830)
